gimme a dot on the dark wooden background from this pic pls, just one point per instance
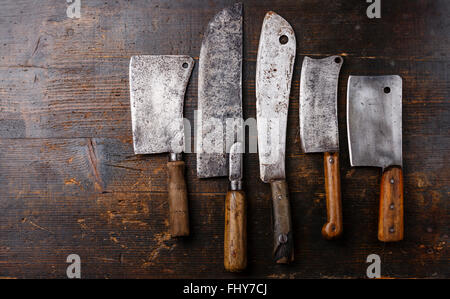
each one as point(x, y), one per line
point(70, 182)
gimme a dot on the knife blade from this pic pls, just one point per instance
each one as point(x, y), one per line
point(235, 244)
point(219, 91)
point(274, 69)
point(157, 87)
point(319, 129)
point(374, 124)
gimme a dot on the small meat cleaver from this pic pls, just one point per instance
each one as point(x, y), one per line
point(157, 87)
point(374, 123)
point(319, 131)
point(274, 69)
point(220, 130)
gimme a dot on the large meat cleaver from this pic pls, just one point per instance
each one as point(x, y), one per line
point(374, 123)
point(220, 109)
point(319, 131)
point(157, 87)
point(274, 69)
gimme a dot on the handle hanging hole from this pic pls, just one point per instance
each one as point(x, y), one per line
point(284, 39)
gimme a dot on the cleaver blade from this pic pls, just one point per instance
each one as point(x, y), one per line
point(219, 91)
point(374, 124)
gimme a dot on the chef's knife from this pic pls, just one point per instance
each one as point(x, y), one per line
point(274, 68)
point(220, 108)
point(319, 131)
point(235, 245)
point(157, 87)
point(374, 123)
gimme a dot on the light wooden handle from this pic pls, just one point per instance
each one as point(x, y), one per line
point(333, 228)
point(390, 223)
point(283, 251)
point(178, 201)
point(235, 245)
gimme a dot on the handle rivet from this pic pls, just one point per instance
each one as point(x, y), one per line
point(391, 229)
point(280, 197)
point(331, 160)
point(333, 227)
point(391, 206)
point(391, 181)
point(282, 238)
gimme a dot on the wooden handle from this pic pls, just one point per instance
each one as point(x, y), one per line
point(235, 245)
point(283, 251)
point(178, 202)
point(333, 228)
point(390, 223)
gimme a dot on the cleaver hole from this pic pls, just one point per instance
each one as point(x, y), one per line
point(284, 39)
point(185, 65)
point(337, 60)
point(387, 90)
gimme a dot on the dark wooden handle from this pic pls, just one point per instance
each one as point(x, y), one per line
point(178, 202)
point(283, 251)
point(235, 245)
point(390, 223)
point(333, 228)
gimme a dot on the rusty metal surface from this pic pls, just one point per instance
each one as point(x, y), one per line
point(236, 162)
point(157, 87)
point(374, 120)
point(274, 68)
point(318, 104)
point(219, 90)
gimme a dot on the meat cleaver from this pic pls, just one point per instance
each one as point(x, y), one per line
point(274, 68)
point(220, 109)
point(319, 131)
point(157, 87)
point(374, 123)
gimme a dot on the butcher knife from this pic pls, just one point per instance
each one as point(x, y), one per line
point(157, 87)
point(319, 131)
point(374, 123)
point(220, 109)
point(274, 68)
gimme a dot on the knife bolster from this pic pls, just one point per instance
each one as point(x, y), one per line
point(178, 201)
point(283, 251)
point(390, 223)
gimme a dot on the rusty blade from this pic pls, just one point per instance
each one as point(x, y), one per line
point(157, 87)
point(274, 68)
point(374, 120)
point(318, 104)
point(219, 90)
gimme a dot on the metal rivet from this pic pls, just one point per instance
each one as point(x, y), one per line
point(391, 206)
point(282, 238)
point(391, 229)
point(331, 160)
point(392, 181)
point(280, 197)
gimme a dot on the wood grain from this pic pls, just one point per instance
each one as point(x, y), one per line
point(333, 228)
point(70, 182)
point(390, 222)
point(178, 200)
point(235, 241)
